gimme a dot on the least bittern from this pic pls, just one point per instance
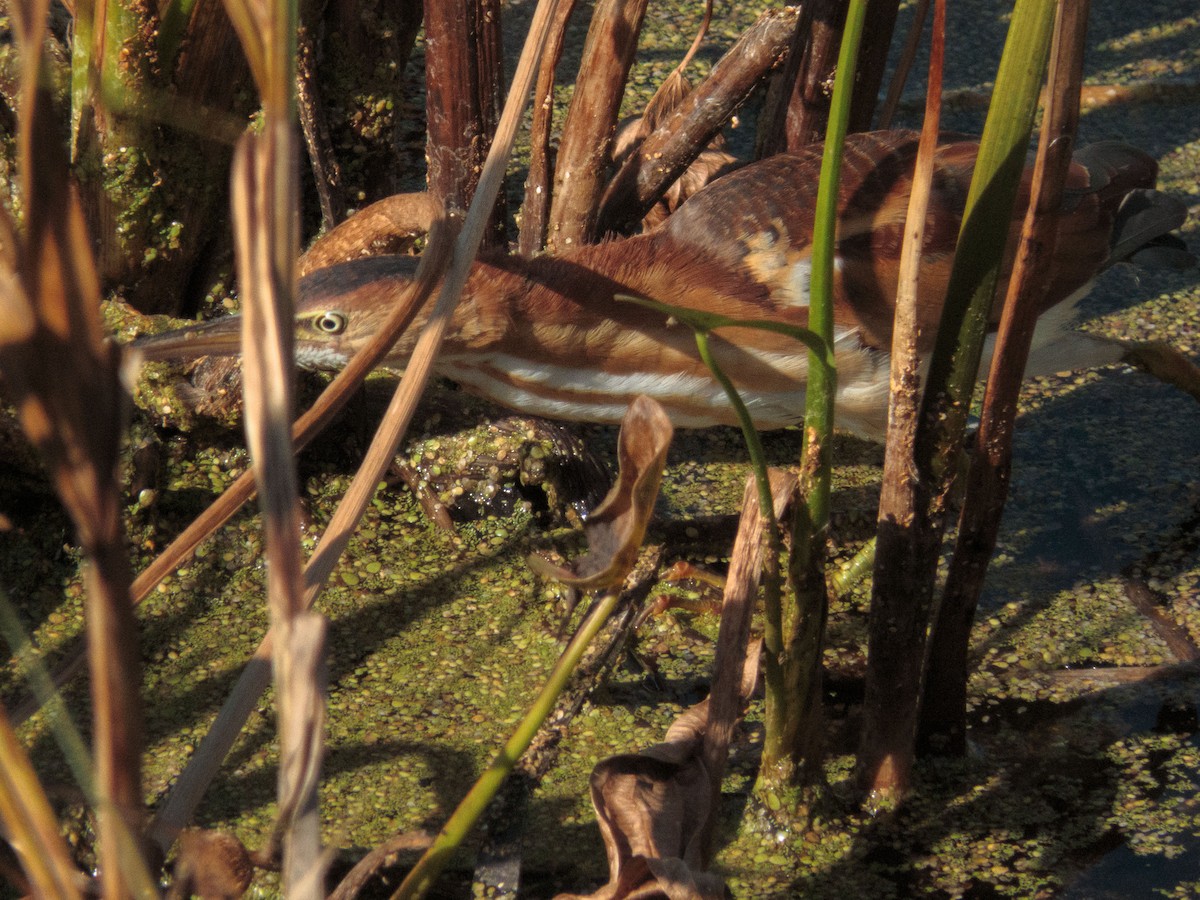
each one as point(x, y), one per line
point(547, 337)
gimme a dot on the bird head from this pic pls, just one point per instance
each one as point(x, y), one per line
point(338, 310)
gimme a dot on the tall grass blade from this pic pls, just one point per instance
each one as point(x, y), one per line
point(944, 712)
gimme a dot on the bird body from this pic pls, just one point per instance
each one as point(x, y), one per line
point(548, 336)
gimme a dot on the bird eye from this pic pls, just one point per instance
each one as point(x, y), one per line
point(330, 322)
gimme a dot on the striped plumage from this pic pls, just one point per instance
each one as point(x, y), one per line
point(545, 335)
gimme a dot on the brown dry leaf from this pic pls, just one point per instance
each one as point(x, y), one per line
point(656, 879)
point(653, 809)
point(655, 812)
point(616, 529)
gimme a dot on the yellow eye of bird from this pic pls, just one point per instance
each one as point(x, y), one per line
point(330, 322)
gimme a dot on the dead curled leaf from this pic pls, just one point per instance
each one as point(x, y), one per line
point(653, 809)
point(654, 805)
point(616, 528)
point(655, 812)
point(671, 879)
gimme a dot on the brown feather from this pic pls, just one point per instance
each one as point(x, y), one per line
point(547, 336)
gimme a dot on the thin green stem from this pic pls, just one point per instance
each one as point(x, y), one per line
point(703, 323)
point(793, 671)
point(822, 378)
point(758, 458)
point(430, 865)
point(773, 587)
point(698, 320)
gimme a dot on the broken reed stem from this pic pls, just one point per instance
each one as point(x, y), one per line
point(463, 89)
point(746, 569)
point(801, 114)
point(591, 117)
point(674, 145)
point(535, 209)
point(903, 529)
point(900, 621)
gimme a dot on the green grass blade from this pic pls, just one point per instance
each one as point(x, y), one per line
point(955, 364)
point(703, 323)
